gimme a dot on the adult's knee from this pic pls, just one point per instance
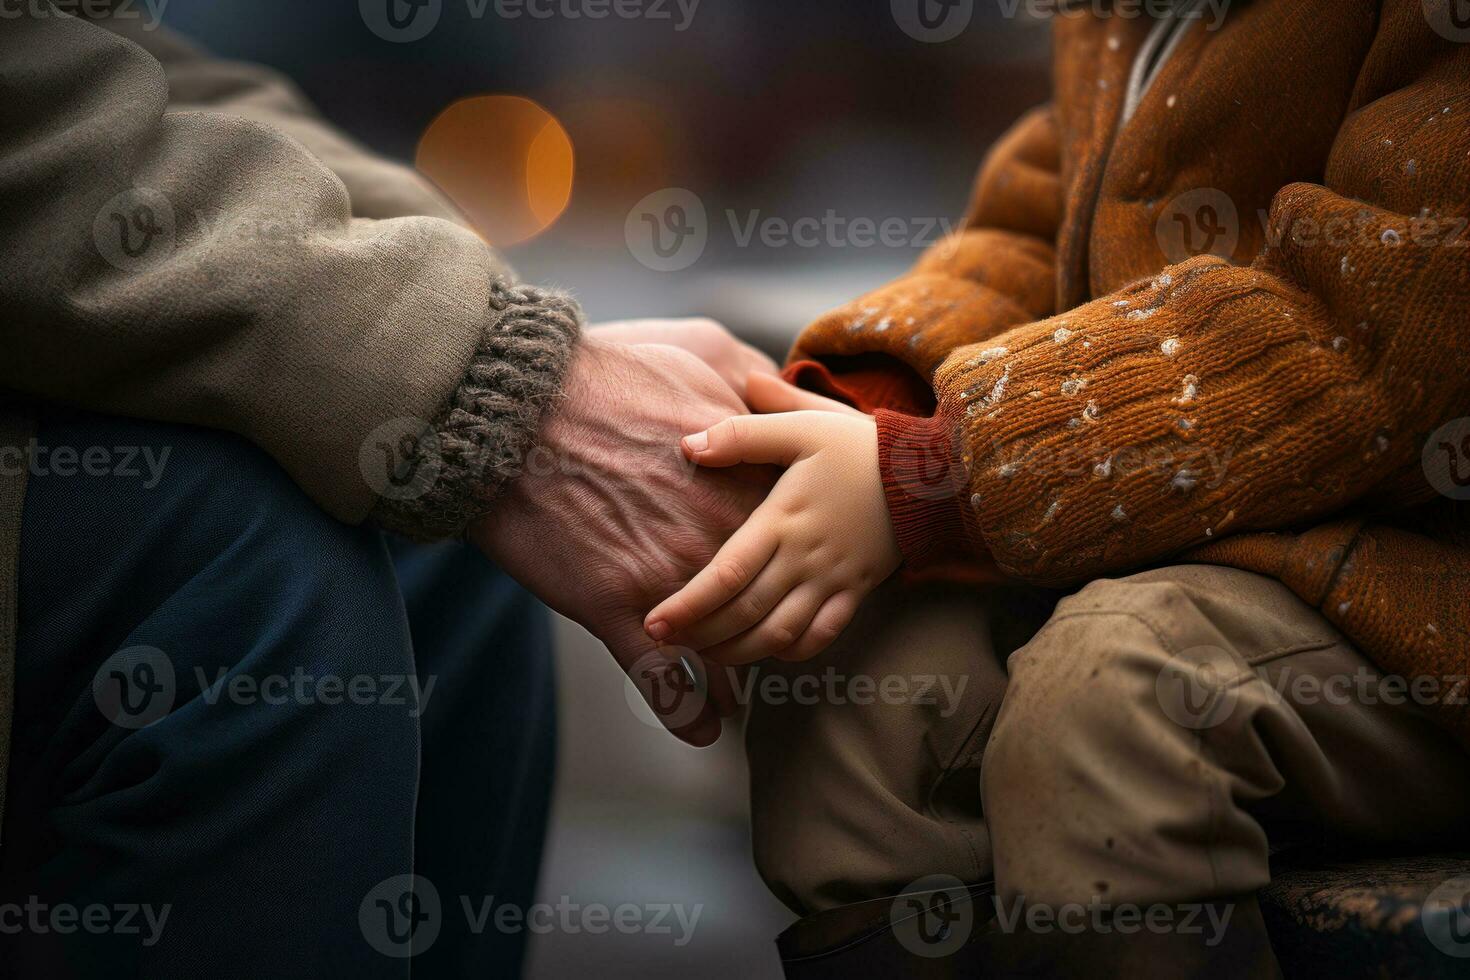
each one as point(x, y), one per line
point(141, 503)
point(192, 622)
point(195, 544)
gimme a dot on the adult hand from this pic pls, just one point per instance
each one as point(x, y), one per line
point(608, 518)
point(732, 359)
point(769, 394)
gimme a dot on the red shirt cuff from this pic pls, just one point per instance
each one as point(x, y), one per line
point(924, 480)
point(866, 384)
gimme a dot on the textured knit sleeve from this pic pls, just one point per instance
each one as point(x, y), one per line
point(206, 268)
point(1213, 399)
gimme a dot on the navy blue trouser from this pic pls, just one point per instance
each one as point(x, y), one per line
point(242, 728)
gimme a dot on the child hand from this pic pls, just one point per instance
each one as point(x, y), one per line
point(789, 581)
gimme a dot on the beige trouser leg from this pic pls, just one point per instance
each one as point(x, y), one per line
point(1141, 757)
point(865, 762)
point(1144, 755)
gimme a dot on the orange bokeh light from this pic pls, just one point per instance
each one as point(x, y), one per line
point(505, 161)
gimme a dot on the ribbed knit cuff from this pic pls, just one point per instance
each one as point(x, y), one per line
point(924, 480)
point(462, 461)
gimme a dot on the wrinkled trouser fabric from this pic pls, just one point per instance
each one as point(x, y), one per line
point(262, 815)
point(856, 793)
point(1152, 743)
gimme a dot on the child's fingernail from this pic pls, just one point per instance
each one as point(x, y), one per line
point(658, 630)
point(698, 442)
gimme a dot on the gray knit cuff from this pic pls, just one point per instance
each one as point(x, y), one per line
point(456, 466)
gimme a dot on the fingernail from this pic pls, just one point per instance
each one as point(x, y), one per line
point(658, 630)
point(698, 442)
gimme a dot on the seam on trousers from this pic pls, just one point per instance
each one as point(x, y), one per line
point(1265, 657)
point(960, 756)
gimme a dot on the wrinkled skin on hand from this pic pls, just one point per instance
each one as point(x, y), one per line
point(609, 518)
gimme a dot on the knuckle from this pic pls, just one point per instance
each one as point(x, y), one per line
point(827, 628)
point(732, 574)
point(825, 633)
point(682, 611)
point(751, 607)
point(733, 433)
point(775, 637)
point(794, 504)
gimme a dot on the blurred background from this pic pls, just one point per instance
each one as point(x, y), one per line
point(790, 155)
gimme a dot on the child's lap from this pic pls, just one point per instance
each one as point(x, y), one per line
point(865, 762)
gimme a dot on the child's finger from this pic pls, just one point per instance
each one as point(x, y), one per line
point(776, 439)
point(768, 393)
point(743, 611)
point(826, 626)
point(733, 568)
point(777, 632)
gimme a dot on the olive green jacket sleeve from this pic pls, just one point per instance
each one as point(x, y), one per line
point(218, 255)
point(377, 187)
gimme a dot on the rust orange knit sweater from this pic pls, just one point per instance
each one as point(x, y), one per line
point(1219, 325)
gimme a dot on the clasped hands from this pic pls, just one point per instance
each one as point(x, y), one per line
point(659, 529)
